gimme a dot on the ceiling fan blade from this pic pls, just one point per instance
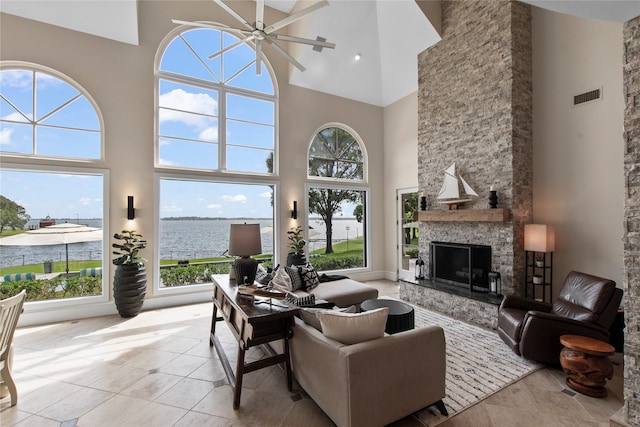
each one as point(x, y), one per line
point(208, 25)
point(292, 18)
point(260, 14)
point(286, 38)
point(231, 46)
point(282, 52)
point(234, 14)
point(258, 57)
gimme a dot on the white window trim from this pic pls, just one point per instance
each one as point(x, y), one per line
point(56, 304)
point(222, 90)
point(29, 66)
point(204, 287)
point(367, 227)
point(363, 149)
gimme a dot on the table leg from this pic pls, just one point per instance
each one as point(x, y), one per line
point(214, 319)
point(237, 389)
point(287, 364)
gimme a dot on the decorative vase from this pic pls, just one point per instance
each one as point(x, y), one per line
point(296, 259)
point(537, 280)
point(129, 289)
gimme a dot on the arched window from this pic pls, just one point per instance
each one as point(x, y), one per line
point(337, 198)
point(44, 113)
point(217, 116)
point(214, 112)
point(45, 117)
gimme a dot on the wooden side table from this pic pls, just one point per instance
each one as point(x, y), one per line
point(252, 325)
point(586, 362)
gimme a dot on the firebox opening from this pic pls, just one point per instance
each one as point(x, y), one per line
point(462, 265)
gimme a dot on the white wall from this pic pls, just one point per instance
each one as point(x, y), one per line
point(578, 179)
point(400, 169)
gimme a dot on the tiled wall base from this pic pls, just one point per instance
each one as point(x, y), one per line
point(461, 308)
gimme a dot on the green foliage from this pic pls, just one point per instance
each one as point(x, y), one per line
point(296, 240)
point(60, 287)
point(127, 252)
point(413, 253)
point(337, 263)
point(12, 215)
point(192, 274)
point(358, 212)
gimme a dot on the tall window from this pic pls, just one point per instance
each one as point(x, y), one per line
point(43, 114)
point(337, 200)
point(214, 114)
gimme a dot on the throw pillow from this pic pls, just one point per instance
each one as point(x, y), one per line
point(300, 300)
point(296, 280)
point(309, 276)
point(281, 280)
point(309, 316)
point(263, 276)
point(353, 328)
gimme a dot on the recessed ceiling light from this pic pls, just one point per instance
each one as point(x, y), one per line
point(357, 57)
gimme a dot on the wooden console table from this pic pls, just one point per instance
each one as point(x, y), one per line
point(252, 324)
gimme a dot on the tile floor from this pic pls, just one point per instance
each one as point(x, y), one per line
point(157, 369)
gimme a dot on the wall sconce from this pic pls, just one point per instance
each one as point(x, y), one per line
point(131, 211)
point(294, 211)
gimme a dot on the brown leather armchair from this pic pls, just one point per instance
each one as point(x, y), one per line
point(587, 306)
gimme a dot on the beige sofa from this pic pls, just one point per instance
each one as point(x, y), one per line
point(342, 292)
point(372, 383)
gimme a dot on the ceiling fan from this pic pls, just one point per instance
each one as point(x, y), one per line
point(259, 33)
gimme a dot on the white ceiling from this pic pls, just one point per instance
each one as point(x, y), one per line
point(388, 34)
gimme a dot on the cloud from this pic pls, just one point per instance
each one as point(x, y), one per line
point(214, 206)
point(5, 136)
point(265, 195)
point(210, 134)
point(190, 106)
point(165, 162)
point(241, 198)
point(17, 117)
point(16, 78)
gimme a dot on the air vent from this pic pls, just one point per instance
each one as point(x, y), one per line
point(319, 48)
point(592, 95)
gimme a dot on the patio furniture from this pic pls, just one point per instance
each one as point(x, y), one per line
point(10, 310)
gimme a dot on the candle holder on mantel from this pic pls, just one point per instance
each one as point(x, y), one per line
point(493, 198)
point(423, 203)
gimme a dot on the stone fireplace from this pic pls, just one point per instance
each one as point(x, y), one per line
point(475, 109)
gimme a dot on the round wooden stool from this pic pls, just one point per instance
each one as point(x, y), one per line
point(586, 362)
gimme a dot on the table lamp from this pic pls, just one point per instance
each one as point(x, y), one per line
point(244, 241)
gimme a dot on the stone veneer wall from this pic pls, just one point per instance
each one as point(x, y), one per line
point(475, 109)
point(631, 81)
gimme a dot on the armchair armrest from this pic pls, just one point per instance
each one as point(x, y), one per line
point(541, 335)
point(512, 301)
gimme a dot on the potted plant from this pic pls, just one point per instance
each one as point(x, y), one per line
point(296, 255)
point(130, 280)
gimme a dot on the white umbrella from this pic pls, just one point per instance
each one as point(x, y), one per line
point(413, 224)
point(59, 234)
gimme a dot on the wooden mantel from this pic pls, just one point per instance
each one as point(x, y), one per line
point(466, 215)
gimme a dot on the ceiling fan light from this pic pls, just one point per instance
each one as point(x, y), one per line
point(357, 57)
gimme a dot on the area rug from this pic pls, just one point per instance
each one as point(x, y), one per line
point(478, 364)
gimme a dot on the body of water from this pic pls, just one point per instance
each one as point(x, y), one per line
point(179, 239)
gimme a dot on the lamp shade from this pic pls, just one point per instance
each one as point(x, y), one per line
point(539, 238)
point(244, 240)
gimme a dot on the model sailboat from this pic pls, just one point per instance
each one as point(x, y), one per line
point(455, 190)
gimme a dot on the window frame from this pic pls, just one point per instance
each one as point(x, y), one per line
point(204, 287)
point(6, 65)
point(223, 90)
point(343, 184)
point(45, 305)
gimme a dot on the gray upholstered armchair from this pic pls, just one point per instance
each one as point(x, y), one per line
point(587, 306)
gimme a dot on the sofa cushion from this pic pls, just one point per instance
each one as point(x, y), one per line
point(345, 292)
point(350, 328)
point(309, 276)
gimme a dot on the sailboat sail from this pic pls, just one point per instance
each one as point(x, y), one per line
point(451, 193)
